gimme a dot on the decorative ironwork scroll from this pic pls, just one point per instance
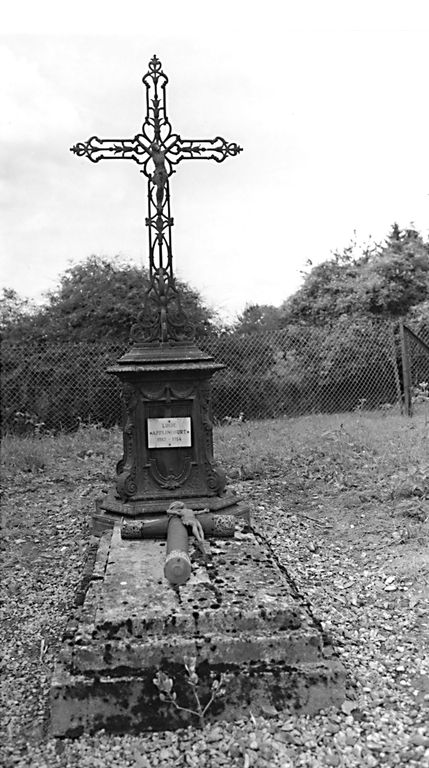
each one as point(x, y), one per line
point(158, 150)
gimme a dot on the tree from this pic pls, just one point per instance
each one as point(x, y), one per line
point(376, 280)
point(100, 299)
point(329, 290)
point(419, 314)
point(397, 277)
point(14, 311)
point(258, 317)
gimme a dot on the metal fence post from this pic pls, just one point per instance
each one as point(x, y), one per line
point(395, 364)
point(406, 378)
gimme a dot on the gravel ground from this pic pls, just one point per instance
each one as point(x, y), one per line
point(362, 564)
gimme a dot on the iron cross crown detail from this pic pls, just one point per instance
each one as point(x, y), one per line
point(158, 150)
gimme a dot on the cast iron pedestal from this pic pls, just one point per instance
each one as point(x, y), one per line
point(167, 433)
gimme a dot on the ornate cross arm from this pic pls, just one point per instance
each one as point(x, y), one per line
point(170, 152)
point(95, 149)
point(217, 149)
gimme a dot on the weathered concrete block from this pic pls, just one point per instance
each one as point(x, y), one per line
point(238, 615)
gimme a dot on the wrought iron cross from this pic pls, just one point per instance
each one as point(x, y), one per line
point(158, 150)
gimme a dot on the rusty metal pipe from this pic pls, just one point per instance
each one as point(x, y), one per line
point(216, 525)
point(177, 568)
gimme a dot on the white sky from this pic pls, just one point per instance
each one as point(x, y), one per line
point(329, 100)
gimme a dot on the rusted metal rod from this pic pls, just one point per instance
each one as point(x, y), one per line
point(177, 568)
point(220, 526)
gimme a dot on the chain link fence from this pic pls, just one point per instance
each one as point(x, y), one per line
point(303, 370)
point(351, 365)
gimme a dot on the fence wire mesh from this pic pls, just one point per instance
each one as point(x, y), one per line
point(352, 365)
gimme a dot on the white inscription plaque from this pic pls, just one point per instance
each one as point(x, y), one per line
point(169, 433)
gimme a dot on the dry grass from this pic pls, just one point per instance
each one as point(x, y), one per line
point(369, 446)
point(33, 453)
point(364, 446)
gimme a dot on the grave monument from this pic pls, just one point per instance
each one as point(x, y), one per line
point(168, 443)
point(155, 591)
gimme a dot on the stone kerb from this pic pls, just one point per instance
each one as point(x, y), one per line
point(237, 615)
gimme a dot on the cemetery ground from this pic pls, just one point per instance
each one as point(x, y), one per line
point(343, 502)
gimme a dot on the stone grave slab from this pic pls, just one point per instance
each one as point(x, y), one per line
point(238, 615)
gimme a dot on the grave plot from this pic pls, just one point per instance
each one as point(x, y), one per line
point(154, 610)
point(237, 616)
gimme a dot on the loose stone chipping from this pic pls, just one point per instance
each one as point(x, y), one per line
point(238, 615)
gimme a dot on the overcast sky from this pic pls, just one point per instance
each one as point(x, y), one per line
point(329, 100)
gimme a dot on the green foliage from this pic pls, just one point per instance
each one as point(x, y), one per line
point(396, 278)
point(101, 298)
point(259, 317)
point(328, 292)
point(386, 280)
point(419, 315)
point(96, 299)
point(14, 311)
point(165, 686)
